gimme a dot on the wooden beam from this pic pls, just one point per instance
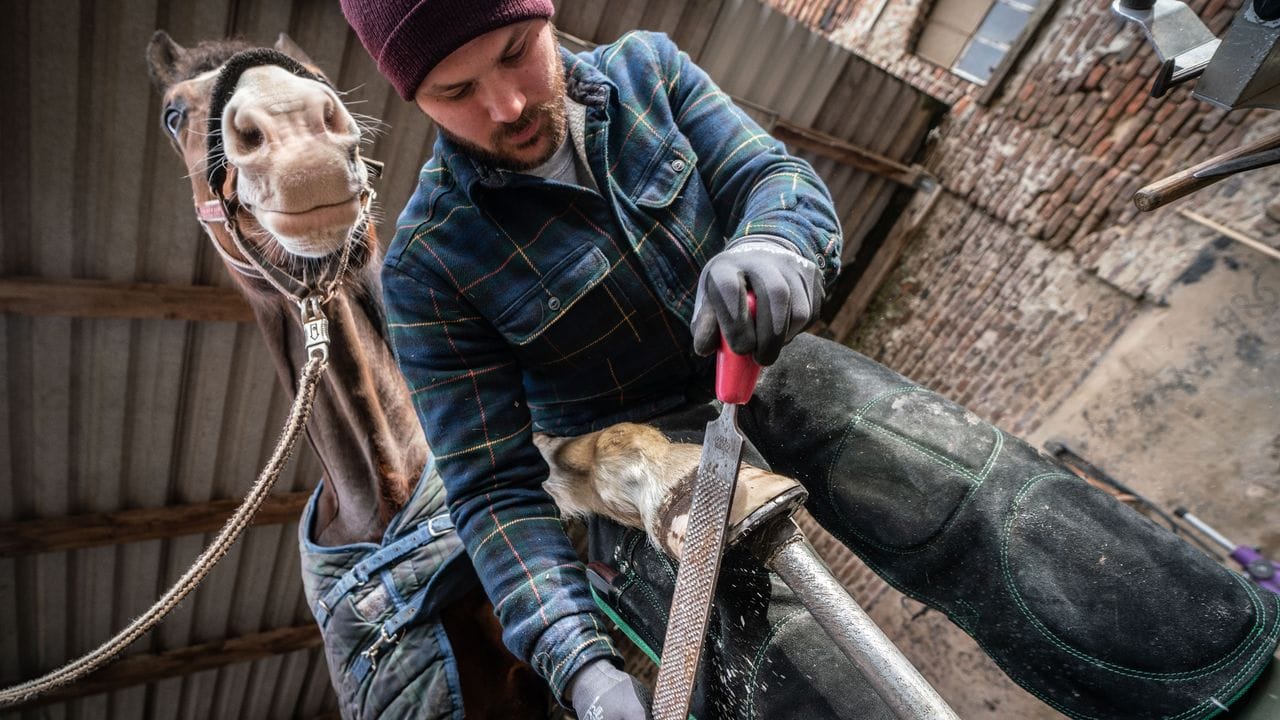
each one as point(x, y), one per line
point(151, 667)
point(100, 298)
point(847, 153)
point(843, 324)
point(92, 530)
point(1230, 232)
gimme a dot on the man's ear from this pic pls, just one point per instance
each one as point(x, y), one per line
point(286, 45)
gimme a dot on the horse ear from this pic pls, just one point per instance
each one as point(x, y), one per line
point(286, 45)
point(163, 55)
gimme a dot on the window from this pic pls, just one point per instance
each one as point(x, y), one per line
point(972, 37)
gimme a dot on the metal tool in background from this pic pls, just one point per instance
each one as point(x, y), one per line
point(1182, 41)
point(1258, 154)
point(1239, 70)
point(736, 377)
point(1262, 571)
point(1096, 476)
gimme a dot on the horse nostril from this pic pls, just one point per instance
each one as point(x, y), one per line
point(330, 113)
point(250, 139)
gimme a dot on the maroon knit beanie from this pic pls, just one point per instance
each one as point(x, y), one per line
point(409, 37)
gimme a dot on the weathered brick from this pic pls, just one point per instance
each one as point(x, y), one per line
point(1142, 159)
point(1137, 102)
point(1123, 97)
point(1095, 76)
point(1104, 147)
point(1145, 137)
point(1042, 208)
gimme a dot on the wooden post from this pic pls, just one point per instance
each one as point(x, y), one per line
point(1229, 232)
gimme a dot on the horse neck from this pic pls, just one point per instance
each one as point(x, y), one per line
point(362, 424)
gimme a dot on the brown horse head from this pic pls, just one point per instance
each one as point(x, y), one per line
point(294, 147)
point(294, 184)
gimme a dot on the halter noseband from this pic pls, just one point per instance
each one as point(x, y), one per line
point(309, 297)
point(225, 86)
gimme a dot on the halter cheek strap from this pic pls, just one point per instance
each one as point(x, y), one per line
point(210, 211)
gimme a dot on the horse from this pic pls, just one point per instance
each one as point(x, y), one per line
point(291, 184)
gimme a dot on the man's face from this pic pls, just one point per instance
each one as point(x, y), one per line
point(500, 97)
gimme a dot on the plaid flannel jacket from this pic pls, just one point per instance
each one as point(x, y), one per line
point(518, 304)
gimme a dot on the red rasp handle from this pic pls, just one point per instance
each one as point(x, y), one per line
point(736, 374)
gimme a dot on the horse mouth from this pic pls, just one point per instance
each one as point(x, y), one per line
point(317, 219)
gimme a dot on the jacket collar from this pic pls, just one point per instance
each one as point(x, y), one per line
point(584, 83)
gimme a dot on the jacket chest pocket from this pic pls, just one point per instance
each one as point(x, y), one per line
point(552, 294)
point(667, 173)
point(671, 197)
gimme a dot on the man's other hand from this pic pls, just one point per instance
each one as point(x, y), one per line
point(788, 289)
point(600, 691)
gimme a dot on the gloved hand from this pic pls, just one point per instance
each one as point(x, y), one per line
point(788, 290)
point(600, 691)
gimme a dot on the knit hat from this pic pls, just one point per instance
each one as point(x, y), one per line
point(407, 38)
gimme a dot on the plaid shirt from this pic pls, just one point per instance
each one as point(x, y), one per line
point(518, 304)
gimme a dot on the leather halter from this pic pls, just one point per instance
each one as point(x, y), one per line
point(308, 294)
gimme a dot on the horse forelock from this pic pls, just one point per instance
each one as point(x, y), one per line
point(207, 55)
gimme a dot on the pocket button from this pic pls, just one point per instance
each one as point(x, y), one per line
point(677, 165)
point(553, 304)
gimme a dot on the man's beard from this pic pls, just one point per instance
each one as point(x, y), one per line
point(554, 126)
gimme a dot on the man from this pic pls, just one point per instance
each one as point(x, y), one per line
point(586, 229)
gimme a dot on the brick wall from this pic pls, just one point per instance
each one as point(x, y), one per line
point(990, 317)
point(1035, 258)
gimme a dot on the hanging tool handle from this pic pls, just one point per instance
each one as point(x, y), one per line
point(736, 375)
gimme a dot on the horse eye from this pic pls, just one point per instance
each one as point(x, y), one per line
point(173, 120)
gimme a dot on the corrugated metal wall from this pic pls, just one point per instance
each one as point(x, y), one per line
point(101, 415)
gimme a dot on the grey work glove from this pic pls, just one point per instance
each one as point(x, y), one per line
point(600, 691)
point(788, 290)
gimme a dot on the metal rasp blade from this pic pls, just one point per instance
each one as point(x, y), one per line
point(713, 487)
point(699, 566)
